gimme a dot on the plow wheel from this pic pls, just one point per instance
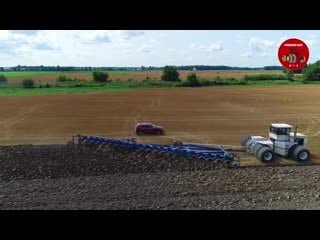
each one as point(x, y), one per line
point(235, 164)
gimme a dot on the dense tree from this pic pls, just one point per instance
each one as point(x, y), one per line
point(100, 76)
point(28, 83)
point(62, 78)
point(192, 80)
point(312, 72)
point(170, 74)
point(289, 75)
point(3, 78)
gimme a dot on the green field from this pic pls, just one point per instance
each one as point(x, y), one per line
point(28, 73)
point(44, 73)
point(18, 91)
point(206, 78)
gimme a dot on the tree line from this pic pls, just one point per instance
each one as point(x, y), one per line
point(60, 68)
point(141, 68)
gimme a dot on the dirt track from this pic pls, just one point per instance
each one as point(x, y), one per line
point(73, 177)
point(217, 115)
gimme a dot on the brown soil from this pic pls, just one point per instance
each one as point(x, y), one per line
point(87, 177)
point(215, 115)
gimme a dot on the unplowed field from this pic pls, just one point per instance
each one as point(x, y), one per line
point(215, 115)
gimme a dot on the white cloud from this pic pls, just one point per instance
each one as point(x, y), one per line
point(248, 54)
point(46, 46)
point(311, 41)
point(4, 34)
point(6, 48)
point(22, 50)
point(260, 45)
point(128, 34)
point(152, 41)
point(108, 36)
point(20, 38)
point(25, 32)
point(172, 50)
point(96, 37)
point(146, 49)
point(25, 41)
point(163, 35)
point(282, 39)
point(134, 48)
point(239, 38)
point(198, 46)
point(267, 54)
point(217, 47)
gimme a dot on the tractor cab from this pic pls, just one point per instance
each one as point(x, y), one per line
point(280, 131)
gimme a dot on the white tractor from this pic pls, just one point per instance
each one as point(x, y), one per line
point(281, 141)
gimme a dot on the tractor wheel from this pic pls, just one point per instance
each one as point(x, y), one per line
point(244, 140)
point(265, 155)
point(301, 154)
point(291, 151)
point(255, 148)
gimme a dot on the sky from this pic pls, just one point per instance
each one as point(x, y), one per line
point(135, 48)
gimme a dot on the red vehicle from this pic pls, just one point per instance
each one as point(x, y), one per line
point(148, 128)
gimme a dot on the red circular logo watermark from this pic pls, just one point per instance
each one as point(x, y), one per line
point(293, 54)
